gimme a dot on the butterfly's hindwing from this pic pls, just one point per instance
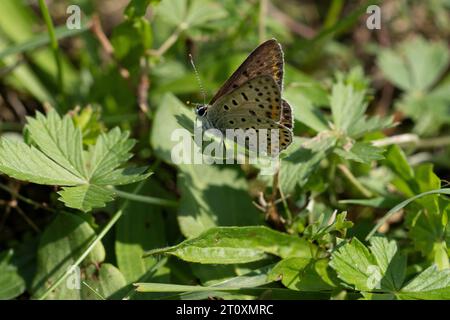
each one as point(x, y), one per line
point(265, 60)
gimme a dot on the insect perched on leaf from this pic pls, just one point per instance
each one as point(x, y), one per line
point(251, 97)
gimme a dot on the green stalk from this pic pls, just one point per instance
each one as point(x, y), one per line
point(53, 42)
point(146, 199)
point(333, 13)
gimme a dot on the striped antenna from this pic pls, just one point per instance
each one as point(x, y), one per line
point(197, 76)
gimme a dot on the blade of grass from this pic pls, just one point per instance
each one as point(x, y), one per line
point(42, 40)
point(403, 204)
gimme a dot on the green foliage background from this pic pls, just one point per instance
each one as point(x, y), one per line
point(359, 209)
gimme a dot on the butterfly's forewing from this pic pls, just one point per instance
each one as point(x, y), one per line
point(265, 60)
point(255, 104)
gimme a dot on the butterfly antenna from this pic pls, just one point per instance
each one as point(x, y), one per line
point(197, 76)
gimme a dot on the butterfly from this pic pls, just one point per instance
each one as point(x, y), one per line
point(251, 97)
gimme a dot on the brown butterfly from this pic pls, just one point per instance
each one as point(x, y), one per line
point(251, 97)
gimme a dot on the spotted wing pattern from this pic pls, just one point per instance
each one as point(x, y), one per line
point(265, 60)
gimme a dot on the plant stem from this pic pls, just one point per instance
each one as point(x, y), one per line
point(333, 13)
point(347, 173)
point(53, 42)
point(146, 199)
point(170, 41)
point(433, 142)
point(24, 199)
point(91, 246)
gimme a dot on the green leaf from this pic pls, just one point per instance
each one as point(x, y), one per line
point(201, 12)
point(170, 116)
point(397, 162)
point(60, 245)
point(304, 111)
point(431, 284)
point(204, 189)
point(136, 8)
point(302, 162)
point(347, 106)
point(321, 229)
point(348, 109)
point(184, 14)
point(11, 282)
point(140, 228)
point(299, 84)
point(381, 268)
point(303, 274)
point(227, 245)
point(37, 168)
point(362, 152)
point(59, 159)
point(414, 65)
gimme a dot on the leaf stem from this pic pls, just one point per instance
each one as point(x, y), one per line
point(25, 199)
point(170, 41)
point(53, 42)
point(349, 175)
point(146, 199)
point(91, 246)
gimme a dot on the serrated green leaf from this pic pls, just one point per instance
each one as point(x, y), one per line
point(58, 138)
point(228, 245)
point(347, 106)
point(390, 262)
point(86, 197)
point(37, 168)
point(362, 152)
point(431, 284)
point(381, 268)
point(57, 158)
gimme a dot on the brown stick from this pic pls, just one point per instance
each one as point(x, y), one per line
point(295, 26)
point(97, 30)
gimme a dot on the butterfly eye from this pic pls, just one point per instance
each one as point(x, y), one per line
point(201, 111)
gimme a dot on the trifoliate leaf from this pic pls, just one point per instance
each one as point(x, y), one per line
point(57, 157)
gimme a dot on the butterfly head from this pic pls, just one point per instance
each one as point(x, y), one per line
point(201, 110)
